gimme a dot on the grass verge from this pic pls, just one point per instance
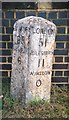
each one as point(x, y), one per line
point(57, 108)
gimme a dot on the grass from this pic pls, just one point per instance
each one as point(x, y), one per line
point(36, 102)
point(57, 108)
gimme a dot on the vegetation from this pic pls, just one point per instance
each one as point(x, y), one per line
point(57, 108)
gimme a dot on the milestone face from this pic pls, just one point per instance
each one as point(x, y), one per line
point(33, 46)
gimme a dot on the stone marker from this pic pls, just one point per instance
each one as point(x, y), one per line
point(33, 47)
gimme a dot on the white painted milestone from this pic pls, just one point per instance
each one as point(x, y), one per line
point(33, 47)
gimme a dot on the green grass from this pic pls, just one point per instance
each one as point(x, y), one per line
point(57, 108)
point(0, 104)
point(36, 102)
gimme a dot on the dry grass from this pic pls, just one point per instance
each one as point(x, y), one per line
point(57, 108)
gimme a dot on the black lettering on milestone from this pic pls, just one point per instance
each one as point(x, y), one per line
point(19, 60)
point(38, 83)
point(18, 39)
point(40, 42)
point(42, 31)
point(43, 63)
point(45, 41)
point(37, 30)
point(50, 31)
point(26, 28)
point(22, 40)
point(38, 62)
point(20, 29)
point(31, 73)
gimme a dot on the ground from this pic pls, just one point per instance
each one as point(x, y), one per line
point(57, 108)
